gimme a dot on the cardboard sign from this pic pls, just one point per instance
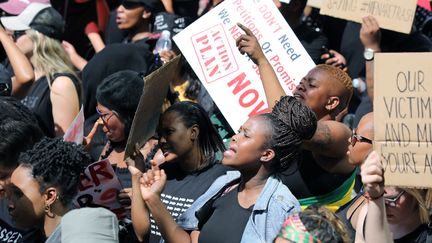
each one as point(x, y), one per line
point(232, 79)
point(403, 117)
point(147, 115)
point(397, 15)
point(75, 132)
point(315, 3)
point(99, 187)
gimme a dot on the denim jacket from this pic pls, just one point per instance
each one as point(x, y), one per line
point(273, 206)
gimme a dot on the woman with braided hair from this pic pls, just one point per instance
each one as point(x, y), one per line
point(41, 189)
point(264, 146)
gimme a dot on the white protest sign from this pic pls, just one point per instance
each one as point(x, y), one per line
point(75, 132)
point(232, 79)
point(99, 187)
point(397, 15)
point(403, 117)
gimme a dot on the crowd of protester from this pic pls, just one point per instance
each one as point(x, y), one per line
point(304, 172)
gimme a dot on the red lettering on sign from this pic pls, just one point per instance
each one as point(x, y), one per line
point(214, 53)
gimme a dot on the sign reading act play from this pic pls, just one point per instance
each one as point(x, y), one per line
point(403, 117)
point(232, 79)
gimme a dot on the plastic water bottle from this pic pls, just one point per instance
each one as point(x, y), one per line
point(164, 43)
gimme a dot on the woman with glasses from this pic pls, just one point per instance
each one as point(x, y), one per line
point(394, 214)
point(55, 95)
point(117, 100)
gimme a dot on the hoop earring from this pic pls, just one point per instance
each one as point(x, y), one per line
point(48, 211)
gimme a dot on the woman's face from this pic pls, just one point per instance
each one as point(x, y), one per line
point(401, 207)
point(26, 202)
point(176, 140)
point(130, 17)
point(113, 126)
point(248, 145)
point(314, 90)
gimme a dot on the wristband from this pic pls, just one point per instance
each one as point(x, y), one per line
point(368, 197)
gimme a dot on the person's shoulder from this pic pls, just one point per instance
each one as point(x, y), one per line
point(283, 197)
point(62, 83)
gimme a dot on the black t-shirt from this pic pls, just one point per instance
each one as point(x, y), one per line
point(181, 190)
point(227, 222)
point(38, 101)
point(417, 236)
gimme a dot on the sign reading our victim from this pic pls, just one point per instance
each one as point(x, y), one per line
point(403, 117)
point(232, 79)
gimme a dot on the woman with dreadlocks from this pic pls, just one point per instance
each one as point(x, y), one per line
point(264, 146)
point(42, 187)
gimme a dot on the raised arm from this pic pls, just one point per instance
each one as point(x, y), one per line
point(248, 43)
point(24, 74)
point(153, 182)
point(139, 211)
point(370, 37)
point(376, 226)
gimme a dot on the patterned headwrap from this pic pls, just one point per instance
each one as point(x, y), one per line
point(294, 231)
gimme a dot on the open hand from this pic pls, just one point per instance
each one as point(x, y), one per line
point(152, 182)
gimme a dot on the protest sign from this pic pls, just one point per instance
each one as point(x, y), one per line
point(232, 79)
point(99, 187)
point(75, 132)
point(397, 15)
point(315, 3)
point(403, 117)
point(147, 114)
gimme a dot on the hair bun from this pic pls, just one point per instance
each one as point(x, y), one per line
point(294, 114)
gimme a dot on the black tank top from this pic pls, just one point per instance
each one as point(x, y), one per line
point(310, 179)
point(39, 102)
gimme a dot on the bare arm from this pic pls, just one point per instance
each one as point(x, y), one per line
point(329, 145)
point(78, 61)
point(153, 182)
point(65, 104)
point(248, 43)
point(376, 226)
point(370, 36)
point(24, 74)
point(139, 211)
point(168, 4)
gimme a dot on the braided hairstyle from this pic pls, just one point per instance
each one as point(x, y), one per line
point(56, 163)
point(292, 122)
point(19, 130)
point(209, 140)
point(324, 225)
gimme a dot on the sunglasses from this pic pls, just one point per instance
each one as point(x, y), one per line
point(18, 34)
point(358, 138)
point(131, 5)
point(393, 200)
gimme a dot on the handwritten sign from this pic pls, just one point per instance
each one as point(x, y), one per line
point(231, 78)
point(99, 187)
point(149, 108)
point(75, 132)
point(397, 15)
point(403, 117)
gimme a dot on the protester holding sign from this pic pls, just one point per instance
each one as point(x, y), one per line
point(189, 144)
point(266, 145)
point(327, 91)
point(41, 189)
point(406, 209)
